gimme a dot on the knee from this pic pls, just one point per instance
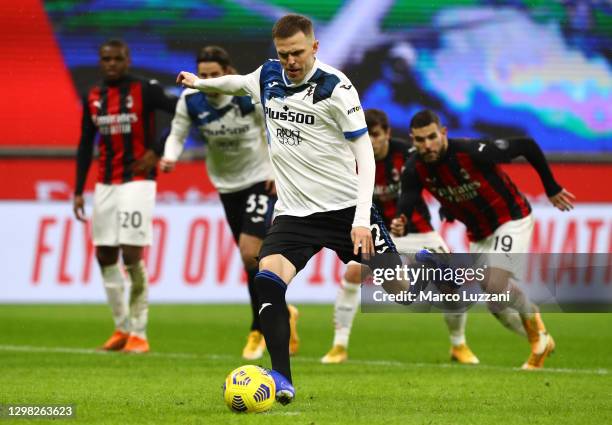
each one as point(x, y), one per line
point(249, 253)
point(353, 274)
point(107, 255)
point(131, 254)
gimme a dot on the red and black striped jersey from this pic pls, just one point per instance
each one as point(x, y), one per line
point(122, 115)
point(387, 188)
point(471, 186)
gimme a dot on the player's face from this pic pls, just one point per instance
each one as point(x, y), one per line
point(296, 55)
point(114, 62)
point(210, 70)
point(430, 142)
point(380, 141)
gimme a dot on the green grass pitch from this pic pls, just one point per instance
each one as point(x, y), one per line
point(398, 372)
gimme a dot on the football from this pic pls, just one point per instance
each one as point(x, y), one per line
point(249, 389)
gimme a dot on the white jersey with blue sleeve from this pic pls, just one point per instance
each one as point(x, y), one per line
point(309, 127)
point(237, 155)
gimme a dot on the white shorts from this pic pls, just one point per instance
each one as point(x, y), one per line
point(414, 242)
point(509, 243)
point(122, 213)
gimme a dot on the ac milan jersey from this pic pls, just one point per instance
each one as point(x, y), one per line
point(387, 188)
point(121, 113)
point(469, 184)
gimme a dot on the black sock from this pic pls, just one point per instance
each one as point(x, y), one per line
point(274, 317)
point(255, 324)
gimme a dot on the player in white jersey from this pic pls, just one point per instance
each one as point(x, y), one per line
point(239, 167)
point(316, 132)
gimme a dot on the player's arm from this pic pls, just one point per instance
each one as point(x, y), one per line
point(155, 99)
point(83, 161)
point(345, 109)
point(410, 195)
point(366, 166)
point(235, 85)
point(505, 150)
point(179, 131)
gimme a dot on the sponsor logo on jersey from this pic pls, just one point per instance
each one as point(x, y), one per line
point(115, 123)
point(290, 116)
point(353, 109)
point(224, 130)
point(288, 137)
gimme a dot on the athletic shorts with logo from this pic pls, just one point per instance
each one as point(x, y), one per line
point(123, 213)
point(299, 238)
point(249, 211)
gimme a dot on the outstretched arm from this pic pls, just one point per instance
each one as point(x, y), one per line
point(505, 150)
point(236, 85)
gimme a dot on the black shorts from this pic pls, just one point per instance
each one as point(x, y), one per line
point(249, 211)
point(299, 238)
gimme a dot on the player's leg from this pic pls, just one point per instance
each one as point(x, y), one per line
point(136, 202)
point(289, 244)
point(138, 299)
point(345, 307)
point(507, 247)
point(275, 273)
point(105, 229)
point(455, 321)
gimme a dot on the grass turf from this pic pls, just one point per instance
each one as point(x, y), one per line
point(398, 370)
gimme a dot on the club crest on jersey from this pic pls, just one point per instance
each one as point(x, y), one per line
point(290, 116)
point(288, 137)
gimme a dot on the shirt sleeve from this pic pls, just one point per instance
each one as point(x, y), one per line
point(235, 85)
point(346, 110)
point(505, 150)
point(85, 150)
point(179, 131)
point(160, 99)
point(410, 193)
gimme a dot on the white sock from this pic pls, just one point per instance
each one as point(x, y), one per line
point(455, 322)
point(345, 308)
point(139, 299)
point(511, 319)
point(114, 285)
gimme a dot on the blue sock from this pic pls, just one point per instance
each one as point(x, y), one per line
point(274, 318)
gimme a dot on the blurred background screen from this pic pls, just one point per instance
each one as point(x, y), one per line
point(491, 67)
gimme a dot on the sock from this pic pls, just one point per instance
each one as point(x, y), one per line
point(139, 303)
point(510, 319)
point(255, 323)
point(455, 322)
point(114, 286)
point(274, 317)
point(347, 302)
point(519, 302)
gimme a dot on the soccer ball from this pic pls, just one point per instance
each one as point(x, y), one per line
point(249, 389)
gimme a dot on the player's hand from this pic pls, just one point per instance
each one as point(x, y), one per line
point(167, 165)
point(146, 163)
point(362, 240)
point(270, 187)
point(78, 206)
point(187, 79)
point(563, 200)
point(398, 225)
